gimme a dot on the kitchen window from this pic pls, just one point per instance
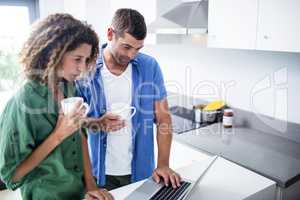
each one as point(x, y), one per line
point(16, 17)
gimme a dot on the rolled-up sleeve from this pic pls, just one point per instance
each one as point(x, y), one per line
point(16, 142)
point(160, 89)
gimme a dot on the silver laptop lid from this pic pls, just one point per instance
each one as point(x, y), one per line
point(192, 187)
point(150, 187)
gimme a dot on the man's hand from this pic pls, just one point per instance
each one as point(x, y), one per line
point(98, 194)
point(168, 175)
point(108, 122)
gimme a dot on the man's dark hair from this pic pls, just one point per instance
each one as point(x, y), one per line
point(130, 21)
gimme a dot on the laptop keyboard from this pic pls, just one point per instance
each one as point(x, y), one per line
point(169, 193)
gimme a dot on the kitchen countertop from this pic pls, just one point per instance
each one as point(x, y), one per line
point(216, 180)
point(272, 156)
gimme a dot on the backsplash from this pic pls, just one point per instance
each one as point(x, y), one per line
point(266, 83)
point(242, 118)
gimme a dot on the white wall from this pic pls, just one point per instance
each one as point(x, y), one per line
point(77, 8)
point(147, 8)
point(260, 81)
point(50, 6)
point(99, 15)
point(97, 12)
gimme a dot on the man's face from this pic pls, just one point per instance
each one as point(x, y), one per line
point(124, 48)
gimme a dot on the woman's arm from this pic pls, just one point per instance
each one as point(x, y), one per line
point(36, 156)
point(88, 177)
point(93, 192)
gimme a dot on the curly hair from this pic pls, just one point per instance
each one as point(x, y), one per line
point(49, 40)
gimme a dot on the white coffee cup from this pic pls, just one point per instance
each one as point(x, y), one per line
point(125, 111)
point(68, 105)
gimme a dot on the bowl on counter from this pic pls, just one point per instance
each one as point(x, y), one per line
point(212, 116)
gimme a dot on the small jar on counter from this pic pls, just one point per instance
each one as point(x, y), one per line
point(228, 118)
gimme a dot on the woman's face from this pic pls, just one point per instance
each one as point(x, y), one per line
point(74, 62)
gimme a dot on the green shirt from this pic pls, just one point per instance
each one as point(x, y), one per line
point(27, 120)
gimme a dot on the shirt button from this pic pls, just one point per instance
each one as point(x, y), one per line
point(76, 168)
point(73, 152)
point(74, 139)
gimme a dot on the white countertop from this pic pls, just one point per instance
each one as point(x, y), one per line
point(224, 180)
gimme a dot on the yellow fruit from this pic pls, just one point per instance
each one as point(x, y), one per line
point(215, 105)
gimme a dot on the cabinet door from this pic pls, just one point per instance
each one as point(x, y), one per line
point(279, 25)
point(232, 23)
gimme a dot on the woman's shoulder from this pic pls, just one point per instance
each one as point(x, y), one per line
point(8, 114)
point(19, 97)
point(26, 98)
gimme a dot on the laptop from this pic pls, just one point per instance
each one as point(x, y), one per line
point(150, 190)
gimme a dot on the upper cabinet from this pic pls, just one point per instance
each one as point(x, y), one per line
point(279, 25)
point(254, 24)
point(232, 23)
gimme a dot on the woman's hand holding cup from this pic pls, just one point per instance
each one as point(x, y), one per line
point(70, 117)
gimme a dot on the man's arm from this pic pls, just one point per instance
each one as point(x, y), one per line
point(164, 132)
point(164, 141)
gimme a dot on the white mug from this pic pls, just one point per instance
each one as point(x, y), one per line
point(68, 105)
point(125, 111)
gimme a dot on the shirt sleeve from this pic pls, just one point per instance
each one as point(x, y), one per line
point(81, 91)
point(160, 91)
point(16, 143)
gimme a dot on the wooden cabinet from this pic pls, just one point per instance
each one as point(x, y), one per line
point(254, 24)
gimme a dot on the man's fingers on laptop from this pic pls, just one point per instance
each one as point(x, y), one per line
point(175, 180)
point(166, 178)
point(168, 175)
point(156, 177)
point(178, 179)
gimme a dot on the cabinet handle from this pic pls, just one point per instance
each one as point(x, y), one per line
point(266, 37)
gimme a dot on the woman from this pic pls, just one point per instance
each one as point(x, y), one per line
point(42, 150)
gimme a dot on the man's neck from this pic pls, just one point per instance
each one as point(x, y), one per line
point(111, 63)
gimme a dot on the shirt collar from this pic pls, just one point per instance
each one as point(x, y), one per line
point(42, 89)
point(39, 87)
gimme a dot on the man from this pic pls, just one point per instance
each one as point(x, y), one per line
point(122, 155)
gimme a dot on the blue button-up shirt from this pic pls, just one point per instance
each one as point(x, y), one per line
point(148, 87)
